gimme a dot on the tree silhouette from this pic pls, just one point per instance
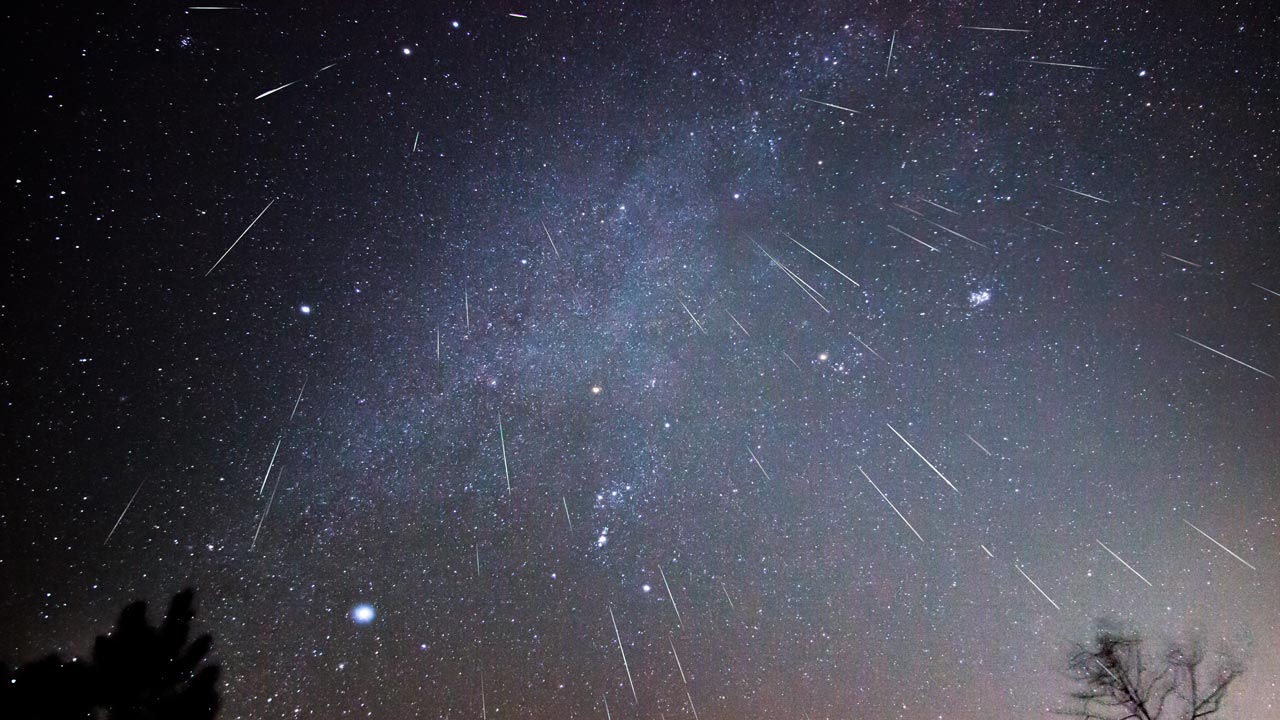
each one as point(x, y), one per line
point(137, 672)
point(1119, 684)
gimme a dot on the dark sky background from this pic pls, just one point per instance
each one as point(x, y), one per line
point(1097, 232)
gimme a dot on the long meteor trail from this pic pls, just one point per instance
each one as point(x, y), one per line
point(237, 242)
point(1058, 64)
point(994, 29)
point(267, 474)
point(980, 446)
point(691, 316)
point(679, 621)
point(276, 90)
point(757, 460)
point(886, 499)
point(806, 287)
point(130, 504)
point(1122, 562)
point(1181, 260)
point(889, 62)
point(553, 242)
point(1217, 352)
point(624, 655)
point(503, 439)
point(838, 107)
point(1083, 194)
point(1215, 542)
point(925, 459)
point(1037, 587)
point(913, 237)
point(735, 322)
point(822, 260)
point(299, 400)
point(268, 510)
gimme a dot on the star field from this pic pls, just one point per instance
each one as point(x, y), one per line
point(862, 356)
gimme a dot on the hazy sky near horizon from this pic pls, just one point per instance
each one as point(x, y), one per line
point(864, 355)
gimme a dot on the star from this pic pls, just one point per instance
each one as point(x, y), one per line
point(363, 614)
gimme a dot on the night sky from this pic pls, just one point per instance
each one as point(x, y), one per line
point(834, 346)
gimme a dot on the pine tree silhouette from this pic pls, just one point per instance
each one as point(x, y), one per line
point(137, 672)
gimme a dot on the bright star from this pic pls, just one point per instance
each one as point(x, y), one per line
point(363, 614)
point(305, 309)
point(646, 588)
point(406, 51)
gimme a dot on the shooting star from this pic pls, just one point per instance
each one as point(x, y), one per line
point(757, 460)
point(437, 344)
point(726, 596)
point(1042, 227)
point(1037, 587)
point(1122, 562)
point(837, 107)
point(679, 667)
point(953, 232)
point(264, 512)
point(466, 308)
point(913, 212)
point(608, 715)
point(691, 317)
point(869, 348)
point(477, 559)
point(553, 242)
point(130, 504)
point(1058, 64)
point(1175, 257)
point(1217, 352)
point(985, 550)
point(566, 512)
point(624, 655)
point(889, 62)
point(484, 713)
point(1215, 542)
point(518, 15)
point(735, 322)
point(276, 90)
point(806, 287)
point(213, 7)
point(947, 209)
point(994, 29)
point(415, 141)
point(683, 678)
point(913, 237)
point(503, 439)
point(267, 474)
point(824, 262)
point(980, 447)
point(922, 457)
point(1082, 194)
point(299, 400)
point(1273, 292)
point(793, 362)
point(679, 622)
point(691, 707)
point(246, 232)
point(886, 499)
